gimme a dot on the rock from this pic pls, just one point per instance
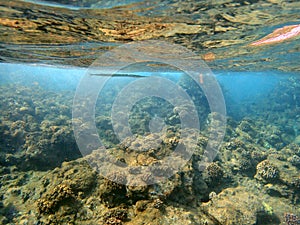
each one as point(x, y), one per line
point(233, 206)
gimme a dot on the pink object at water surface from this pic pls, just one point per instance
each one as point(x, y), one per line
point(279, 35)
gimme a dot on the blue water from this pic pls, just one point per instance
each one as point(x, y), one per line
point(47, 77)
point(248, 86)
point(239, 86)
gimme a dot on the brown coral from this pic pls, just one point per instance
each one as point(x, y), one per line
point(50, 202)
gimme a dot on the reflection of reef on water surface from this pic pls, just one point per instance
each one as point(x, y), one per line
point(253, 180)
point(218, 31)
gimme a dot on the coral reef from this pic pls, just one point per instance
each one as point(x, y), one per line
point(267, 171)
point(213, 174)
point(49, 203)
point(115, 217)
point(34, 137)
point(291, 219)
point(254, 179)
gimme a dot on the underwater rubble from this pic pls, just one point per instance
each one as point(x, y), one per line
point(44, 179)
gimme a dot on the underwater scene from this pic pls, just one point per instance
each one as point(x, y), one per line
point(149, 112)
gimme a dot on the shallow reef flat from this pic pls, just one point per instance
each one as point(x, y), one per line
point(44, 180)
point(220, 32)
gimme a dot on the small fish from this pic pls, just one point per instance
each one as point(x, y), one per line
point(117, 75)
point(201, 78)
point(279, 35)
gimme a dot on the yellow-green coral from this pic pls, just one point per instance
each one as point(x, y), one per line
point(267, 208)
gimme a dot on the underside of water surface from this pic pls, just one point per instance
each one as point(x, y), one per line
point(85, 142)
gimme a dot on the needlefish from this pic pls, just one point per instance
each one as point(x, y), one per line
point(118, 75)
